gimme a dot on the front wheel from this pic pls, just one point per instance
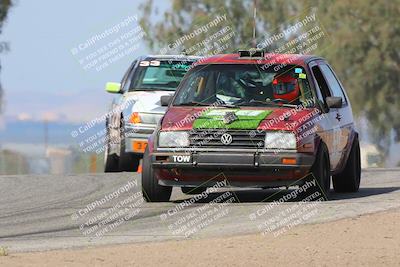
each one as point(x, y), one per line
point(320, 176)
point(151, 190)
point(110, 162)
point(128, 162)
point(349, 179)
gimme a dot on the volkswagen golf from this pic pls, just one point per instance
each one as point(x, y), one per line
point(254, 119)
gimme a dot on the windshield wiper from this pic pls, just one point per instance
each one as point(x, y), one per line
point(193, 103)
point(227, 106)
point(152, 89)
point(257, 103)
point(262, 103)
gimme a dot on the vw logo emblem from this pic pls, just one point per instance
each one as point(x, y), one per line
point(226, 139)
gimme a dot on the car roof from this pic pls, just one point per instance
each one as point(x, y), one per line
point(269, 58)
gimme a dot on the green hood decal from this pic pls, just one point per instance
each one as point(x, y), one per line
point(244, 119)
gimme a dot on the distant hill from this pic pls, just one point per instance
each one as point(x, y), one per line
point(32, 132)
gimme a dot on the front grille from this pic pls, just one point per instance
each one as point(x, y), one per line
point(211, 138)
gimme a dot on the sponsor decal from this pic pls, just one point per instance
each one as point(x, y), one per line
point(298, 70)
point(302, 76)
point(231, 119)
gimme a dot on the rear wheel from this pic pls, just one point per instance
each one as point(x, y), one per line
point(152, 191)
point(349, 179)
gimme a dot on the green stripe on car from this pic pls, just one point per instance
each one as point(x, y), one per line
point(246, 119)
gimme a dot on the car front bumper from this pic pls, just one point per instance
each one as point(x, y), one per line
point(136, 137)
point(244, 169)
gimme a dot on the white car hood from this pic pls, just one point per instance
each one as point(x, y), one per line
point(147, 101)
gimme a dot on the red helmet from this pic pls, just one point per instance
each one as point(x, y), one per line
point(286, 87)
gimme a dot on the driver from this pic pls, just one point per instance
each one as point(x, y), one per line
point(286, 87)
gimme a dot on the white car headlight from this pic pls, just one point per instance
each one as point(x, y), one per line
point(280, 140)
point(173, 139)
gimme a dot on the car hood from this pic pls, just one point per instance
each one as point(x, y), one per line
point(280, 118)
point(146, 101)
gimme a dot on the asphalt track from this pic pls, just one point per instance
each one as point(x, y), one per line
point(45, 212)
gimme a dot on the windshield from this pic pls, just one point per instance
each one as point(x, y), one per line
point(158, 75)
point(245, 85)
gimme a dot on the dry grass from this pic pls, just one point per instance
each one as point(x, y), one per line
point(3, 251)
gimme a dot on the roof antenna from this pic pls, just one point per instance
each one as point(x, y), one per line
point(254, 41)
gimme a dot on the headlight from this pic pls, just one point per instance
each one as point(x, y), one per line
point(280, 140)
point(173, 139)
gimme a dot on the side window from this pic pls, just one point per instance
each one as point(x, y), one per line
point(322, 84)
point(196, 84)
point(334, 85)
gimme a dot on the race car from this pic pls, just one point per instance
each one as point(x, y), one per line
point(254, 119)
point(136, 109)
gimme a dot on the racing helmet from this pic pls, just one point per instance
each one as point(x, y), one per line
point(285, 87)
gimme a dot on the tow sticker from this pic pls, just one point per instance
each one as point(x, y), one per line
point(181, 158)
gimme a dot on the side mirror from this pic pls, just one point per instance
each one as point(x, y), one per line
point(166, 100)
point(334, 101)
point(113, 88)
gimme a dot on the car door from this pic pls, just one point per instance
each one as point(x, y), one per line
point(343, 116)
point(329, 129)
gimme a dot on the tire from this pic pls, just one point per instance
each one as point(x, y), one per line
point(128, 162)
point(321, 173)
point(349, 179)
point(110, 162)
point(193, 190)
point(151, 190)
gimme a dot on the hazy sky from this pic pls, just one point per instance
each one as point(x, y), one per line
point(40, 75)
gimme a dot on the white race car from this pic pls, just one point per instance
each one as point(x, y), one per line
point(136, 109)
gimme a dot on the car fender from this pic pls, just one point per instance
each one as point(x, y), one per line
point(346, 154)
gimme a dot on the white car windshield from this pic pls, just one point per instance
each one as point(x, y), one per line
point(158, 75)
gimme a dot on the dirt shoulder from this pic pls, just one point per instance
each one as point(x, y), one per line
point(372, 240)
